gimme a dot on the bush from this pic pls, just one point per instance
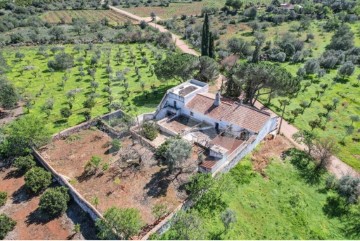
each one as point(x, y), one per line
point(65, 112)
point(3, 198)
point(93, 165)
point(37, 179)
point(54, 201)
point(62, 61)
point(126, 221)
point(150, 130)
point(115, 145)
point(243, 172)
point(6, 225)
point(24, 163)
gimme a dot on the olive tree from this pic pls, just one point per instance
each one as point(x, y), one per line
point(37, 179)
point(54, 201)
point(6, 225)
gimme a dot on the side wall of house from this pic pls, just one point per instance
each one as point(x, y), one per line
point(243, 150)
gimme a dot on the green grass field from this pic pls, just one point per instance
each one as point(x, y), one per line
point(29, 85)
point(286, 204)
point(347, 92)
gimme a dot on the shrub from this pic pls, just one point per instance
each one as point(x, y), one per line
point(93, 165)
point(37, 179)
point(150, 130)
point(243, 172)
point(3, 198)
point(62, 61)
point(127, 222)
point(24, 163)
point(115, 145)
point(54, 201)
point(6, 225)
point(65, 112)
point(159, 210)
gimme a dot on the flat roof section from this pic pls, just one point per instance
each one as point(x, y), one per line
point(185, 89)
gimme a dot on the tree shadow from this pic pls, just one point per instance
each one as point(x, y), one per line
point(13, 174)
point(151, 98)
point(38, 217)
point(85, 176)
point(159, 183)
point(22, 195)
point(334, 207)
point(341, 80)
point(304, 164)
point(78, 216)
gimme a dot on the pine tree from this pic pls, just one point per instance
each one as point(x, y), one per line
point(211, 46)
point(205, 37)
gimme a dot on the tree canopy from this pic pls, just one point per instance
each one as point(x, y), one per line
point(22, 134)
point(54, 201)
point(176, 66)
point(8, 95)
point(126, 222)
point(251, 78)
point(37, 179)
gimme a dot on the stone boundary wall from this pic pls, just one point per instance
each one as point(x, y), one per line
point(86, 125)
point(85, 205)
point(143, 140)
point(165, 224)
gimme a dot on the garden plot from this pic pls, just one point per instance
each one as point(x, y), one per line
point(128, 178)
point(90, 15)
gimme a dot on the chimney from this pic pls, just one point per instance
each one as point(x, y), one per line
point(217, 99)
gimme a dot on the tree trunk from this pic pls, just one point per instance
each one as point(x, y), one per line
point(281, 120)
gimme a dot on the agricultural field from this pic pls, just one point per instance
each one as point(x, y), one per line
point(134, 93)
point(66, 16)
point(337, 124)
point(281, 200)
point(179, 8)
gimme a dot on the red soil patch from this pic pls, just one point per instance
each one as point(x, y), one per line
point(140, 188)
point(269, 149)
point(20, 206)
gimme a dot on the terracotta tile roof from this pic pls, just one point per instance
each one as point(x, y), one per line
point(208, 164)
point(240, 115)
point(228, 143)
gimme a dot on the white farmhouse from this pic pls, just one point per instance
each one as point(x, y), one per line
point(226, 129)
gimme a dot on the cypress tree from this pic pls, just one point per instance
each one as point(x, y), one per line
point(205, 37)
point(211, 46)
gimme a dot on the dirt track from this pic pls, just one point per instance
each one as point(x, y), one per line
point(337, 167)
point(178, 42)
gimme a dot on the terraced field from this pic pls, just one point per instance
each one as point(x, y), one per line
point(66, 16)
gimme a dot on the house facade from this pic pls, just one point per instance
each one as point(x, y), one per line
point(226, 129)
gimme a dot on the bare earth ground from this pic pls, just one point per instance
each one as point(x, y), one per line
point(6, 116)
point(136, 187)
point(22, 207)
point(269, 149)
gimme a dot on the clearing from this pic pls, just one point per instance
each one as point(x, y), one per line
point(134, 178)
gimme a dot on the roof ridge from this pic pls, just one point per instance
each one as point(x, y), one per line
point(254, 108)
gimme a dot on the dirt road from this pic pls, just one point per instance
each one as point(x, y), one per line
point(177, 39)
point(337, 167)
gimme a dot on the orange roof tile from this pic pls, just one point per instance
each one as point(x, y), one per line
point(237, 114)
